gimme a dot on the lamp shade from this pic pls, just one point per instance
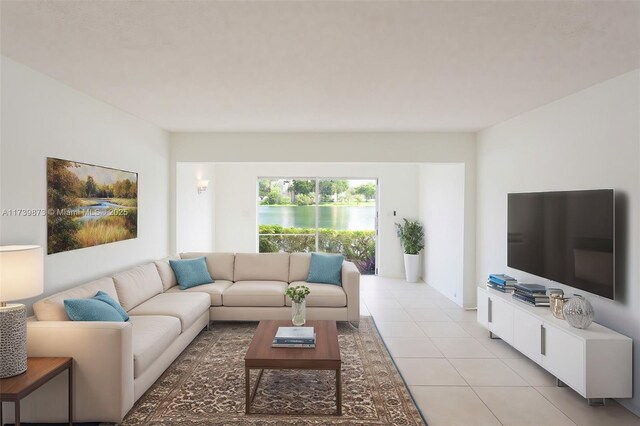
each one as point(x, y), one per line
point(21, 272)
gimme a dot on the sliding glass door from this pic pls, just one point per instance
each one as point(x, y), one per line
point(319, 214)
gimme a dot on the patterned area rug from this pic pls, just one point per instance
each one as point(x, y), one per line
point(205, 385)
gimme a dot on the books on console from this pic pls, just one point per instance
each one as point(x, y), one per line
point(502, 279)
point(533, 294)
point(294, 337)
point(531, 288)
point(501, 288)
point(501, 282)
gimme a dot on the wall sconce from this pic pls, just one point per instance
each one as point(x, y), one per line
point(203, 184)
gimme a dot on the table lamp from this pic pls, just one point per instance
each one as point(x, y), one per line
point(21, 276)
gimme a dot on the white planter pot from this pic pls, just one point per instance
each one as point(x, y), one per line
point(412, 267)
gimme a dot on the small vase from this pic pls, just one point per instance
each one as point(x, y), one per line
point(578, 312)
point(298, 313)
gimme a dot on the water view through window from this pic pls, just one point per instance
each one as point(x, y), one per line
point(325, 215)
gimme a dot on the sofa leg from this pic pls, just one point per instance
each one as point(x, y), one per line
point(208, 325)
point(354, 324)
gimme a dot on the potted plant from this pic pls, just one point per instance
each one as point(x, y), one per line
point(411, 236)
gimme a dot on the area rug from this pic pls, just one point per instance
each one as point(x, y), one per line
point(205, 385)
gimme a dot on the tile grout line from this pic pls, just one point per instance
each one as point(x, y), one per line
point(557, 407)
point(485, 404)
point(515, 371)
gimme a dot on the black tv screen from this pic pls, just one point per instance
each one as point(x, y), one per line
point(564, 236)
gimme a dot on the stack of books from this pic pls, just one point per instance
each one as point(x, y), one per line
point(294, 337)
point(533, 294)
point(501, 282)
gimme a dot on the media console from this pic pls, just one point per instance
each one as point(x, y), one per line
point(595, 362)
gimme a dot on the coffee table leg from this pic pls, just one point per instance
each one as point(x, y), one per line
point(247, 391)
point(251, 394)
point(339, 391)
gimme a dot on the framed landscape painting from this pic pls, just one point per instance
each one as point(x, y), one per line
point(89, 205)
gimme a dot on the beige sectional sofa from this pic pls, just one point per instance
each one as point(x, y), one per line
point(251, 286)
point(115, 363)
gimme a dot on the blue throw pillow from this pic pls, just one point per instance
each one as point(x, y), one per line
point(101, 295)
point(191, 272)
point(325, 268)
point(91, 310)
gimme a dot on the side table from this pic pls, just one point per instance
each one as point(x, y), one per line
point(39, 371)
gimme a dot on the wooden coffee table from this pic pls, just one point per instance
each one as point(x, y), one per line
point(260, 355)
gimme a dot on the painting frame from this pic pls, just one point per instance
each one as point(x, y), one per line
point(89, 205)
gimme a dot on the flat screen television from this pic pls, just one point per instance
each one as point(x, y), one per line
point(564, 236)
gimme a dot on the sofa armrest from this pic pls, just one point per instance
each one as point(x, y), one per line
point(351, 286)
point(102, 370)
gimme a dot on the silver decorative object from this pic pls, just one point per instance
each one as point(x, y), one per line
point(578, 312)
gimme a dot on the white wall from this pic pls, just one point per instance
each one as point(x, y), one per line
point(43, 118)
point(588, 140)
point(349, 147)
point(195, 213)
point(236, 195)
point(442, 213)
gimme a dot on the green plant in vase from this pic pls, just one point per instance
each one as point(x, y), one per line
point(411, 234)
point(297, 295)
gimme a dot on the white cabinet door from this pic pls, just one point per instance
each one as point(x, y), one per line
point(527, 334)
point(483, 303)
point(501, 318)
point(563, 356)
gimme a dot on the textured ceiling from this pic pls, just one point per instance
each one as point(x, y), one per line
point(395, 65)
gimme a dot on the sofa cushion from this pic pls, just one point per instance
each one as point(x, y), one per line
point(220, 265)
point(191, 272)
point(255, 293)
point(185, 306)
point(214, 290)
point(261, 267)
point(322, 295)
point(138, 284)
point(152, 335)
point(167, 276)
point(52, 308)
point(299, 266)
point(325, 268)
point(91, 310)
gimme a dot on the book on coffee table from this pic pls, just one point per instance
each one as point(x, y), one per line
point(298, 335)
point(276, 344)
point(294, 332)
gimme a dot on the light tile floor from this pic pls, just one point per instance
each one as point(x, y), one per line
point(458, 376)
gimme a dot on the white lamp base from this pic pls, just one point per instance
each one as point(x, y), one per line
point(13, 340)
